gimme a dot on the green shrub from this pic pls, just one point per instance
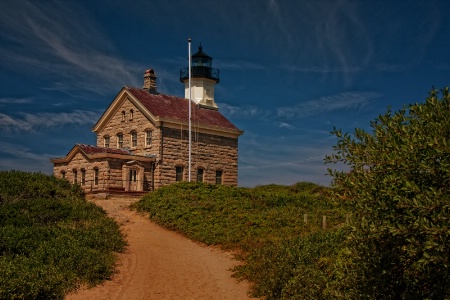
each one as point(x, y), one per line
point(398, 190)
point(51, 238)
point(296, 268)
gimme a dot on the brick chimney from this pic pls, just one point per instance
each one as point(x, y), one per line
point(150, 81)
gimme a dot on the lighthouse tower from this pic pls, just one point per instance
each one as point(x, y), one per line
point(203, 79)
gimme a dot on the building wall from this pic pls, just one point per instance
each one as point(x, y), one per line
point(80, 163)
point(125, 125)
point(209, 152)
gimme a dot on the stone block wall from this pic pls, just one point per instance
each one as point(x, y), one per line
point(133, 120)
point(209, 152)
point(77, 165)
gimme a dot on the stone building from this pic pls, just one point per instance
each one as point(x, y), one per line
point(143, 138)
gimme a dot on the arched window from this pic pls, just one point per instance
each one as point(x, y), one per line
point(148, 137)
point(120, 140)
point(106, 141)
point(96, 176)
point(131, 114)
point(75, 176)
point(133, 139)
point(83, 176)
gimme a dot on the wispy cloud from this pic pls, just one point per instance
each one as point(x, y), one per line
point(29, 122)
point(285, 125)
point(347, 100)
point(323, 69)
point(59, 38)
point(242, 112)
point(241, 65)
point(16, 100)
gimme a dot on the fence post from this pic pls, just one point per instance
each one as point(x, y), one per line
point(305, 218)
point(324, 222)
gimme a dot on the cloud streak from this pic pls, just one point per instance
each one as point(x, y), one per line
point(65, 42)
point(30, 122)
point(22, 158)
point(346, 100)
point(25, 100)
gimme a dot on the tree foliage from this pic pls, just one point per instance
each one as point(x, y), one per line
point(397, 186)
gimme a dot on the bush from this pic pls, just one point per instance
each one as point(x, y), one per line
point(51, 238)
point(398, 190)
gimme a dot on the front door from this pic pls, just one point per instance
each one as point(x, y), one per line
point(132, 180)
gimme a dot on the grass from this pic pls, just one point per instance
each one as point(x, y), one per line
point(51, 239)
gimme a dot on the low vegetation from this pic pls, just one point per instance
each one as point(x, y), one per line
point(265, 224)
point(51, 239)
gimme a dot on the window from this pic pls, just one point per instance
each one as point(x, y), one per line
point(133, 139)
point(123, 116)
point(75, 176)
point(63, 174)
point(133, 175)
point(119, 140)
point(148, 138)
point(106, 141)
point(200, 175)
point(179, 173)
point(83, 176)
point(96, 176)
point(131, 114)
point(219, 175)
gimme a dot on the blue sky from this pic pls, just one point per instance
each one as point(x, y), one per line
point(289, 70)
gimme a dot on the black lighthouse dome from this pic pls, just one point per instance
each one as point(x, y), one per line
point(201, 67)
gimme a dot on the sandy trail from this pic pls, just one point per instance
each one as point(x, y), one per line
point(161, 264)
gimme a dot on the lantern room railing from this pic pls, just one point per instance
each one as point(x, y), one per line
point(198, 71)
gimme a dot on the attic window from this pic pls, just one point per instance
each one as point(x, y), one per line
point(131, 114)
point(123, 116)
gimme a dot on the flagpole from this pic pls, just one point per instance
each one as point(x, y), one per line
point(190, 146)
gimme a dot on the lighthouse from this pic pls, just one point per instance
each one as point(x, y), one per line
point(203, 79)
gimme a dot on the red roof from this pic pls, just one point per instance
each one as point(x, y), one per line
point(177, 108)
point(89, 150)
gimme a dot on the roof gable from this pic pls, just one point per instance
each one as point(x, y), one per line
point(92, 152)
point(169, 109)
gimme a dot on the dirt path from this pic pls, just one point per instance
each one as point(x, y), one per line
point(160, 264)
